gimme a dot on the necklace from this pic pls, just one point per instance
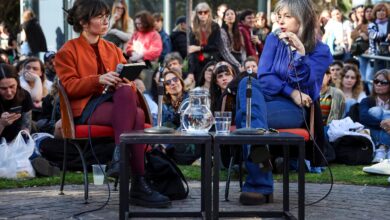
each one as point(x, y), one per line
point(176, 103)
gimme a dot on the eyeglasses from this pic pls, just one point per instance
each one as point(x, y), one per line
point(169, 81)
point(381, 82)
point(203, 12)
point(103, 18)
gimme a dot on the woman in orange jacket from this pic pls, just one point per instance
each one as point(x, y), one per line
point(85, 66)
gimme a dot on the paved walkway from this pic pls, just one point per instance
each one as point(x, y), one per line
point(345, 202)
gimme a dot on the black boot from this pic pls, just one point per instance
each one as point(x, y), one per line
point(141, 194)
point(113, 171)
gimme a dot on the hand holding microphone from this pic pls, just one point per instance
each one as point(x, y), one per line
point(111, 78)
point(290, 39)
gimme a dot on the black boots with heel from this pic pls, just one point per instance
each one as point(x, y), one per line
point(141, 194)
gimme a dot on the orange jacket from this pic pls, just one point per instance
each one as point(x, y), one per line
point(77, 68)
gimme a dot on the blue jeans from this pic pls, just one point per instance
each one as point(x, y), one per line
point(348, 103)
point(267, 112)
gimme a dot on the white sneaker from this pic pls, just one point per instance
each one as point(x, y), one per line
point(380, 168)
point(380, 154)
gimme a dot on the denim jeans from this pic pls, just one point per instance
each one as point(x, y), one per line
point(348, 103)
point(267, 112)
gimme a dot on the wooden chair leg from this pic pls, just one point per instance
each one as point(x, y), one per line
point(63, 167)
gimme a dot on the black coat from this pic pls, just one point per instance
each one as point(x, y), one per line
point(179, 42)
point(35, 37)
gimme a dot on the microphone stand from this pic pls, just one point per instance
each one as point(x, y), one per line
point(248, 130)
point(159, 129)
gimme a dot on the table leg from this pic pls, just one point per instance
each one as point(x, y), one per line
point(207, 180)
point(124, 182)
point(216, 181)
point(286, 180)
point(202, 176)
point(301, 182)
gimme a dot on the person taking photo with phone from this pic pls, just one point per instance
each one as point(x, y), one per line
point(15, 104)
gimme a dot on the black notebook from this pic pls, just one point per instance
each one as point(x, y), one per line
point(131, 71)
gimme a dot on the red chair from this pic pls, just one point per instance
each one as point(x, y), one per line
point(76, 134)
point(238, 153)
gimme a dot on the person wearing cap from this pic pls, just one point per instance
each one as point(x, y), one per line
point(48, 59)
point(179, 37)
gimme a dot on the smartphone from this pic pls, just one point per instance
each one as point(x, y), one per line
point(17, 109)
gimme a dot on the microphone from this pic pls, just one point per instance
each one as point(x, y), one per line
point(277, 32)
point(118, 69)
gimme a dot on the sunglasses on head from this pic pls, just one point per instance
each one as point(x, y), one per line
point(169, 81)
point(203, 12)
point(381, 82)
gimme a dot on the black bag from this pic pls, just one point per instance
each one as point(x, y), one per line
point(354, 112)
point(353, 150)
point(164, 176)
point(359, 46)
point(184, 154)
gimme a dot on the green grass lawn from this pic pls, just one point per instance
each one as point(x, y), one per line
point(343, 174)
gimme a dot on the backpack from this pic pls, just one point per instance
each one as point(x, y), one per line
point(164, 176)
point(353, 150)
point(184, 154)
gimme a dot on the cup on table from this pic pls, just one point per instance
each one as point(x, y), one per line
point(98, 173)
point(223, 120)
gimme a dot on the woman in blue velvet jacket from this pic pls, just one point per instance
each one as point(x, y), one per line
point(289, 81)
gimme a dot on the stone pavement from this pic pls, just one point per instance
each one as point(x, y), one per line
point(345, 202)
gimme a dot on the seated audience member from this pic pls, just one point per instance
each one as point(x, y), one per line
point(48, 60)
point(205, 77)
point(174, 96)
point(369, 117)
point(174, 61)
point(166, 41)
point(332, 101)
point(33, 79)
point(145, 44)
point(220, 86)
point(253, 45)
point(85, 66)
point(179, 37)
point(335, 71)
point(232, 48)
point(13, 95)
point(351, 85)
point(250, 64)
point(122, 26)
point(261, 26)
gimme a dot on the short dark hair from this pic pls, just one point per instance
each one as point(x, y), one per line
point(352, 61)
point(338, 63)
point(84, 10)
point(8, 71)
point(36, 59)
point(158, 17)
point(147, 20)
point(245, 13)
point(250, 59)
